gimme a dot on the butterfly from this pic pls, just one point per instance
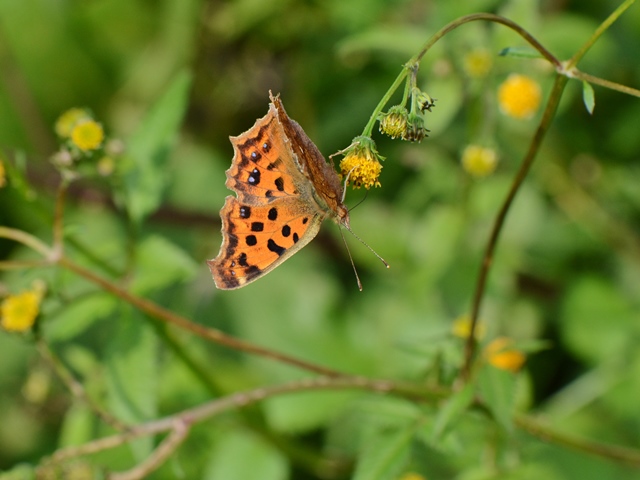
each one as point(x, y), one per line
point(284, 190)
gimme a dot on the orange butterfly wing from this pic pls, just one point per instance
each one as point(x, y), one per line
point(284, 188)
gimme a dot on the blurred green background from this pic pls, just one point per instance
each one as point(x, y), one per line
point(567, 269)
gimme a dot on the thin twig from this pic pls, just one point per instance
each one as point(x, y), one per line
point(598, 33)
point(159, 455)
point(27, 239)
point(610, 452)
point(575, 73)
point(159, 313)
point(231, 402)
point(534, 146)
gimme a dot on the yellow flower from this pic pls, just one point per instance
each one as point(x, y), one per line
point(19, 312)
point(500, 354)
point(3, 175)
point(87, 135)
point(66, 121)
point(479, 161)
point(361, 164)
point(519, 96)
point(477, 63)
point(394, 122)
point(461, 327)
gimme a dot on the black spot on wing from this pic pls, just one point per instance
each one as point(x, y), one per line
point(257, 226)
point(274, 247)
point(245, 212)
point(251, 240)
point(254, 177)
point(279, 184)
point(273, 214)
point(286, 231)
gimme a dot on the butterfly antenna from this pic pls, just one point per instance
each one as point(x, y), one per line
point(367, 245)
point(350, 258)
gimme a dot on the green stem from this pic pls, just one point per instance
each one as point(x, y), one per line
point(534, 146)
point(489, 17)
point(610, 452)
point(368, 129)
point(28, 240)
point(598, 33)
point(577, 74)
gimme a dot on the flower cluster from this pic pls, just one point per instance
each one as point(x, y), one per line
point(82, 138)
point(361, 163)
point(400, 123)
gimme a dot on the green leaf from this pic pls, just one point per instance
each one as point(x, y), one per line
point(159, 264)
point(245, 456)
point(79, 315)
point(77, 427)
point(519, 52)
point(148, 149)
point(451, 411)
point(588, 96)
point(385, 455)
point(131, 373)
point(498, 390)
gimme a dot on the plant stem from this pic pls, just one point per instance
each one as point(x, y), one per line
point(368, 129)
point(575, 73)
point(490, 18)
point(221, 405)
point(598, 33)
point(610, 452)
point(547, 117)
point(27, 240)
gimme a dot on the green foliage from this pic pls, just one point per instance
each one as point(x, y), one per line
point(170, 82)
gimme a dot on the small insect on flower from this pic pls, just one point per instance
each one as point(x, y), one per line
point(361, 163)
point(501, 354)
point(87, 135)
point(519, 96)
point(479, 161)
point(18, 312)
